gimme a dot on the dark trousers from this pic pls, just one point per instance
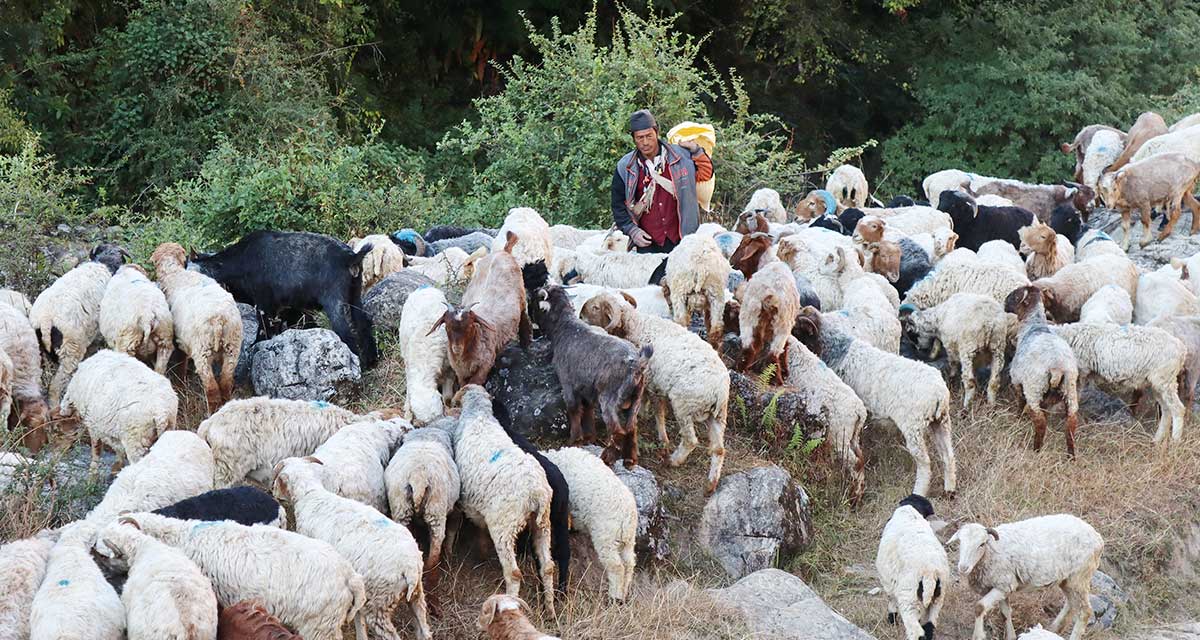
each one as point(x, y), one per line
point(666, 247)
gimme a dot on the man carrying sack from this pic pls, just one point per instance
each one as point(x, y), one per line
point(654, 187)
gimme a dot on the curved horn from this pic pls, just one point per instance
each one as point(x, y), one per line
point(993, 533)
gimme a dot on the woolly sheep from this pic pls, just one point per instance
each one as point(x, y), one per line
point(245, 505)
point(1110, 304)
point(767, 202)
point(910, 394)
point(967, 325)
point(304, 582)
point(384, 259)
point(1047, 251)
point(614, 241)
point(1065, 292)
point(1161, 295)
point(352, 460)
point(23, 565)
point(710, 229)
point(452, 267)
point(16, 300)
point(1185, 141)
point(867, 315)
point(534, 242)
point(947, 180)
point(1083, 143)
point(1042, 362)
point(649, 299)
point(66, 319)
point(19, 343)
point(135, 318)
point(696, 276)
point(963, 276)
point(178, 466)
point(918, 219)
point(422, 480)
point(428, 377)
point(848, 184)
point(165, 595)
point(1106, 147)
point(617, 270)
point(208, 325)
point(1001, 252)
point(913, 568)
point(1031, 554)
point(503, 618)
point(123, 404)
point(1187, 330)
point(564, 236)
point(74, 600)
point(936, 244)
point(1093, 243)
point(381, 551)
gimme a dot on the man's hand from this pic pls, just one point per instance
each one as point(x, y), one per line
point(691, 146)
point(640, 238)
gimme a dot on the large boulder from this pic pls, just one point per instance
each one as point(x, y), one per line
point(525, 382)
point(249, 336)
point(384, 301)
point(756, 519)
point(1106, 598)
point(653, 528)
point(304, 364)
point(777, 604)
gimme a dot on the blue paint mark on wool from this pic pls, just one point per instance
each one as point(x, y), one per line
point(200, 526)
point(319, 404)
point(406, 234)
point(830, 201)
point(495, 456)
point(63, 583)
point(382, 523)
point(843, 313)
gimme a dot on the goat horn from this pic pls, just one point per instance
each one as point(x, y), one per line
point(993, 533)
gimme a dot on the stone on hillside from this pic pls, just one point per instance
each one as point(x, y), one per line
point(756, 519)
point(777, 604)
point(525, 382)
point(249, 336)
point(1106, 597)
point(304, 364)
point(384, 301)
point(1183, 631)
point(653, 528)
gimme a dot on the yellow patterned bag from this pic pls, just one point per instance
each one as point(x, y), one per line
point(705, 136)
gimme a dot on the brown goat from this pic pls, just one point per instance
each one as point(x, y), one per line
point(1165, 180)
point(503, 618)
point(870, 229)
point(882, 257)
point(1083, 140)
point(750, 254)
point(249, 620)
point(769, 303)
point(1042, 244)
point(1041, 198)
point(492, 314)
point(813, 206)
point(1148, 125)
point(752, 222)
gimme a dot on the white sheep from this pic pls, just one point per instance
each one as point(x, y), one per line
point(123, 404)
point(649, 299)
point(503, 490)
point(1038, 633)
point(1065, 292)
point(711, 229)
point(919, 219)
point(249, 436)
point(23, 565)
point(74, 600)
point(614, 269)
point(564, 236)
point(16, 300)
point(135, 318)
point(953, 276)
point(1095, 242)
point(381, 551)
point(913, 568)
point(603, 507)
point(534, 242)
point(769, 302)
point(452, 267)
point(165, 595)
point(967, 325)
point(303, 582)
point(1001, 252)
point(1110, 304)
point(1043, 361)
point(428, 378)
point(946, 180)
point(613, 240)
point(66, 319)
point(384, 259)
point(1106, 147)
point(767, 202)
point(937, 244)
point(867, 315)
point(685, 374)
point(1161, 294)
point(178, 466)
point(208, 325)
point(1185, 141)
point(561, 265)
point(352, 460)
point(695, 277)
point(20, 345)
point(422, 480)
point(848, 184)
point(1031, 554)
point(993, 200)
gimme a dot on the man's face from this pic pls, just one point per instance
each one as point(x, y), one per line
point(646, 141)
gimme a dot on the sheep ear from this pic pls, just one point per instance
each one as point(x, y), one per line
point(438, 324)
point(993, 533)
point(953, 538)
point(129, 520)
point(489, 613)
point(525, 605)
point(632, 301)
point(313, 460)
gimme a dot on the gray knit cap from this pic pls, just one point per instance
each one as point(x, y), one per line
point(642, 119)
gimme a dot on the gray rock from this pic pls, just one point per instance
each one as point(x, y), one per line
point(1184, 631)
point(249, 337)
point(63, 229)
point(777, 604)
point(1106, 598)
point(385, 301)
point(756, 519)
point(1184, 562)
point(524, 380)
point(304, 364)
point(1179, 244)
point(653, 528)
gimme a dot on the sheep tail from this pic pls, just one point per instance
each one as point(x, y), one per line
point(357, 605)
point(928, 590)
point(418, 485)
point(1056, 376)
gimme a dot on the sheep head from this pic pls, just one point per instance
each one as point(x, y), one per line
point(817, 203)
point(752, 222)
point(869, 229)
point(1038, 238)
point(1022, 300)
point(1082, 197)
point(973, 540)
point(1109, 187)
point(961, 207)
point(496, 606)
point(807, 329)
point(789, 251)
point(168, 254)
point(919, 325)
point(607, 312)
point(919, 502)
point(35, 415)
point(944, 241)
point(749, 253)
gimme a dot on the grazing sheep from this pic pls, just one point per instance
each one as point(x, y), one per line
point(910, 394)
point(534, 244)
point(867, 315)
point(423, 481)
point(178, 466)
point(768, 203)
point(250, 620)
point(353, 459)
point(1043, 362)
point(244, 505)
point(166, 595)
point(1047, 251)
point(967, 325)
point(1165, 180)
point(503, 618)
point(23, 565)
point(20, 345)
point(1109, 304)
point(135, 318)
point(684, 373)
point(977, 224)
point(769, 303)
point(123, 404)
point(303, 581)
point(381, 551)
point(696, 276)
point(953, 276)
point(603, 507)
point(1149, 125)
point(428, 376)
point(1083, 144)
point(848, 184)
point(913, 568)
point(1161, 294)
point(1001, 252)
point(208, 325)
point(384, 257)
point(1065, 292)
point(1031, 554)
point(66, 319)
point(74, 600)
point(1187, 330)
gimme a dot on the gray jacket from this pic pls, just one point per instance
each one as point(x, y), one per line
point(683, 176)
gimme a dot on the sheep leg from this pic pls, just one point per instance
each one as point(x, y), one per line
point(437, 534)
point(1039, 425)
point(525, 330)
point(716, 448)
point(1083, 612)
point(1006, 611)
point(614, 568)
point(687, 441)
point(660, 421)
point(629, 560)
point(1190, 202)
point(377, 614)
point(588, 420)
point(212, 391)
point(539, 527)
point(95, 465)
point(944, 446)
point(933, 612)
point(714, 319)
point(982, 608)
point(162, 357)
point(914, 441)
point(1147, 230)
point(420, 613)
point(993, 386)
point(69, 357)
point(1065, 612)
point(1171, 409)
point(506, 553)
point(912, 623)
point(574, 413)
point(1126, 219)
point(1172, 214)
point(966, 362)
point(229, 357)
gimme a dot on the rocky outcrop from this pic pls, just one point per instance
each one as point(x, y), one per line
point(777, 604)
point(524, 380)
point(249, 336)
point(385, 301)
point(757, 519)
point(304, 364)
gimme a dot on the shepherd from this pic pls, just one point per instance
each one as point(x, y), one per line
point(654, 187)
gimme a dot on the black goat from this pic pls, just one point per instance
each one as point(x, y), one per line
point(976, 224)
point(409, 241)
point(849, 219)
point(900, 201)
point(244, 505)
point(1067, 222)
point(828, 221)
point(109, 255)
point(279, 272)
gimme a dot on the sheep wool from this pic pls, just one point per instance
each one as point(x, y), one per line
point(178, 466)
point(384, 259)
point(967, 325)
point(16, 300)
point(23, 565)
point(135, 318)
point(1065, 292)
point(66, 319)
point(452, 267)
point(20, 345)
point(617, 270)
point(767, 202)
point(428, 377)
point(1161, 294)
point(696, 276)
point(564, 236)
point(913, 569)
point(952, 276)
point(1109, 304)
point(422, 480)
point(74, 600)
point(352, 460)
point(769, 305)
point(1106, 147)
point(848, 184)
point(1001, 252)
point(1042, 361)
point(650, 299)
point(534, 243)
point(867, 315)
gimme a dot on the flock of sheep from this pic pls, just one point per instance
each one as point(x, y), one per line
point(816, 299)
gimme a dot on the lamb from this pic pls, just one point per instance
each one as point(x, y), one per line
point(684, 373)
point(1164, 180)
point(19, 343)
point(135, 318)
point(910, 394)
point(1030, 554)
point(913, 568)
point(967, 325)
point(244, 505)
point(166, 595)
point(1149, 125)
point(123, 404)
point(423, 481)
point(1037, 198)
point(617, 270)
point(249, 436)
point(534, 244)
point(451, 267)
point(305, 582)
point(74, 600)
point(384, 257)
point(602, 506)
point(1131, 358)
point(1001, 252)
point(848, 184)
point(1043, 362)
point(23, 565)
point(353, 459)
point(976, 224)
point(596, 371)
point(963, 276)
point(1109, 304)
point(1047, 251)
point(476, 337)
point(178, 466)
point(503, 489)
point(428, 377)
point(767, 202)
point(769, 306)
point(208, 325)
point(867, 315)
point(1160, 294)
point(66, 320)
point(16, 300)
point(503, 618)
point(1106, 147)
point(382, 552)
point(1083, 144)
point(249, 620)
point(1065, 292)
point(696, 276)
